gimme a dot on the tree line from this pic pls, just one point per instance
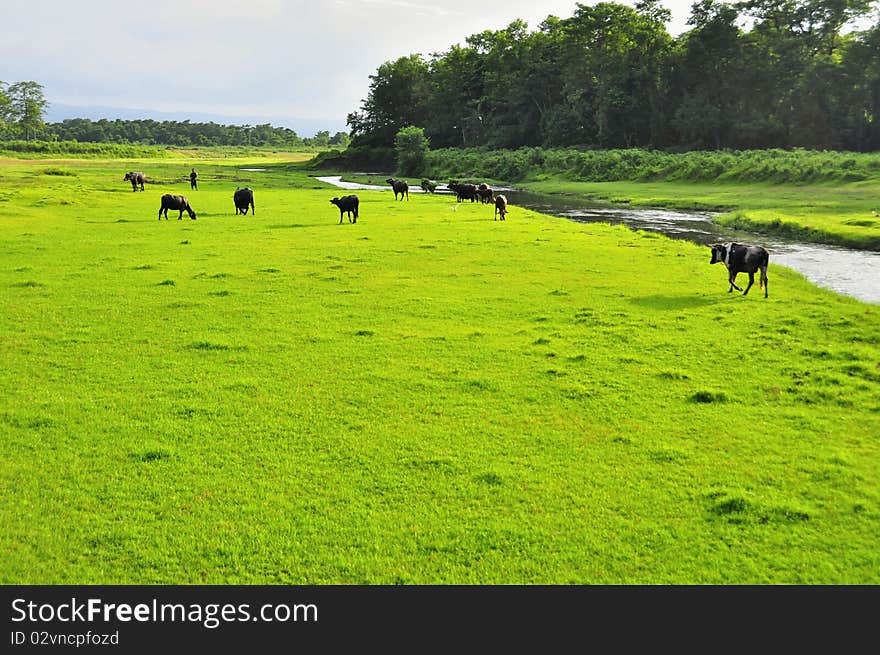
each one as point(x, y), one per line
point(23, 105)
point(185, 133)
point(754, 74)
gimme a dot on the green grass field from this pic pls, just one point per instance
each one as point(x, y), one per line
point(425, 396)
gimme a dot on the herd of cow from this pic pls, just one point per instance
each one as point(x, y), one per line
point(463, 191)
point(242, 198)
point(737, 258)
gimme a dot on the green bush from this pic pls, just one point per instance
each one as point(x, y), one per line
point(411, 146)
point(39, 149)
point(776, 166)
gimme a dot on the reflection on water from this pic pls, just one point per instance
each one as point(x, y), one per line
point(854, 273)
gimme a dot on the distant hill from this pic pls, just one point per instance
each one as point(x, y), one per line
point(304, 127)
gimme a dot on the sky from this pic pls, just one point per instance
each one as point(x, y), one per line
point(300, 64)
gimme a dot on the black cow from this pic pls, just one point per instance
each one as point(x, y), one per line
point(175, 202)
point(742, 259)
point(243, 198)
point(464, 191)
point(500, 206)
point(400, 187)
point(347, 205)
point(136, 179)
point(485, 193)
point(429, 186)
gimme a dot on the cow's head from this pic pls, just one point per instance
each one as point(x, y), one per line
point(719, 253)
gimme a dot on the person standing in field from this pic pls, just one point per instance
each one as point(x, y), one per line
point(192, 180)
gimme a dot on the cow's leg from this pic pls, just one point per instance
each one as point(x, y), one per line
point(764, 280)
point(180, 215)
point(733, 283)
point(751, 282)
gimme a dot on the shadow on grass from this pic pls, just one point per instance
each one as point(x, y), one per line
point(292, 226)
point(670, 302)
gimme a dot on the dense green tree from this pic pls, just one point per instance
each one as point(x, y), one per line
point(750, 74)
point(859, 79)
point(454, 88)
point(796, 45)
point(504, 117)
point(615, 56)
point(411, 146)
point(706, 76)
point(5, 111)
point(339, 140)
point(320, 140)
point(395, 99)
point(178, 133)
point(27, 105)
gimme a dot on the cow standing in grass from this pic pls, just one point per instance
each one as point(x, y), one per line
point(742, 259)
point(464, 191)
point(500, 206)
point(347, 205)
point(180, 203)
point(400, 187)
point(243, 198)
point(136, 178)
point(486, 193)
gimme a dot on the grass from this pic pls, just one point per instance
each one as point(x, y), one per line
point(425, 396)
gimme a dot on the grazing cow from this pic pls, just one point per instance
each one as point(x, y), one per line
point(742, 259)
point(347, 205)
point(464, 191)
point(243, 198)
point(136, 179)
point(500, 206)
point(175, 202)
point(485, 193)
point(429, 186)
point(399, 186)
